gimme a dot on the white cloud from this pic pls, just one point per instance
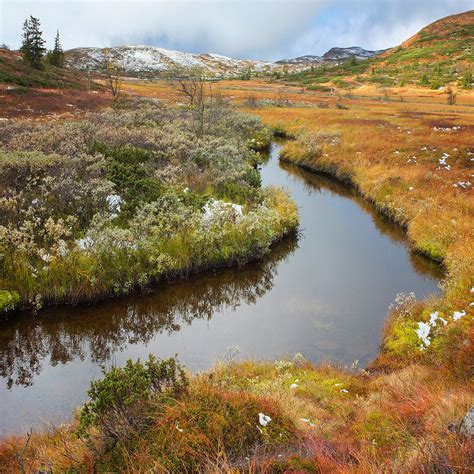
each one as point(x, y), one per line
point(263, 29)
point(237, 28)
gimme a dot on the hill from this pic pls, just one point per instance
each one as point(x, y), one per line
point(331, 57)
point(29, 92)
point(440, 53)
point(14, 71)
point(152, 61)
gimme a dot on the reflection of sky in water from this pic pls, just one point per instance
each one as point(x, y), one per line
point(325, 296)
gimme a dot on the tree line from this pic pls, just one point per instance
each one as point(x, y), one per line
point(33, 46)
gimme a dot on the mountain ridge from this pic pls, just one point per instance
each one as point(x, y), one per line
point(144, 59)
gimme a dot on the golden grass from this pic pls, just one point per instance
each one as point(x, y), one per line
point(402, 415)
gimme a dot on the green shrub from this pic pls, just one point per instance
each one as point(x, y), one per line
point(8, 300)
point(120, 403)
point(466, 80)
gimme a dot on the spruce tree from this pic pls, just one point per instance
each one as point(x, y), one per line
point(26, 42)
point(33, 43)
point(56, 56)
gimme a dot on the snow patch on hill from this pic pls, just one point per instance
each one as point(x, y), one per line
point(149, 59)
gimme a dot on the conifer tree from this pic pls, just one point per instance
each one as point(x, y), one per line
point(56, 56)
point(33, 43)
point(26, 42)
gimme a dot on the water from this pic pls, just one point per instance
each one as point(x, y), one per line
point(324, 295)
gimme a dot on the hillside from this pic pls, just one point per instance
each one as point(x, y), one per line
point(151, 61)
point(441, 53)
point(16, 72)
point(29, 92)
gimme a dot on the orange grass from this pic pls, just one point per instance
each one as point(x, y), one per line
point(403, 414)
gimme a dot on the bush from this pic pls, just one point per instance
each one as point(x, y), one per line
point(74, 198)
point(466, 80)
point(120, 403)
point(8, 300)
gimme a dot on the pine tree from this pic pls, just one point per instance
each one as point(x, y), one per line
point(56, 56)
point(33, 43)
point(26, 42)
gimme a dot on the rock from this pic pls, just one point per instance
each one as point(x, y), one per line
point(467, 424)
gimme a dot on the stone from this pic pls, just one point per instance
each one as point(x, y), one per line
point(467, 424)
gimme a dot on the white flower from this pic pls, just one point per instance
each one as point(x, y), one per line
point(294, 386)
point(264, 419)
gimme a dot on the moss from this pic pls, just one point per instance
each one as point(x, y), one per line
point(402, 339)
point(432, 248)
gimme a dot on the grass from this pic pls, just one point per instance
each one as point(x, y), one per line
point(323, 419)
point(402, 413)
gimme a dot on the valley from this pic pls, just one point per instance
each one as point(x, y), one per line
point(299, 233)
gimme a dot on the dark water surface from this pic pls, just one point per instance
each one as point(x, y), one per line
point(325, 295)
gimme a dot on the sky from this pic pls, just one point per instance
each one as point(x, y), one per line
point(247, 29)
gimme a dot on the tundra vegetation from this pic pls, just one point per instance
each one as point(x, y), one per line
point(404, 411)
point(120, 199)
point(409, 152)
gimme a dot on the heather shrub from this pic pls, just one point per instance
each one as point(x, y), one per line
point(130, 196)
point(120, 403)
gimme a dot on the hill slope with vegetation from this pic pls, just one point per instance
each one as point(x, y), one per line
point(439, 54)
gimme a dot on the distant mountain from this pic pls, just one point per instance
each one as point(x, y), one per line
point(340, 54)
point(332, 56)
point(150, 60)
point(302, 60)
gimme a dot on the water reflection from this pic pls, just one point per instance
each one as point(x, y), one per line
point(317, 183)
point(99, 331)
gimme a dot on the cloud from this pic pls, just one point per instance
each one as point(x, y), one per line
point(372, 24)
point(255, 29)
point(238, 28)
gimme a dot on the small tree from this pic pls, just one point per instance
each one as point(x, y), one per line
point(113, 72)
point(56, 56)
point(33, 43)
point(451, 99)
point(205, 106)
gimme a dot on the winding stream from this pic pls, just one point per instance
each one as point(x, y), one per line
point(324, 295)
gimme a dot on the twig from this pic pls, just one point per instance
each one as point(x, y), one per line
point(22, 452)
